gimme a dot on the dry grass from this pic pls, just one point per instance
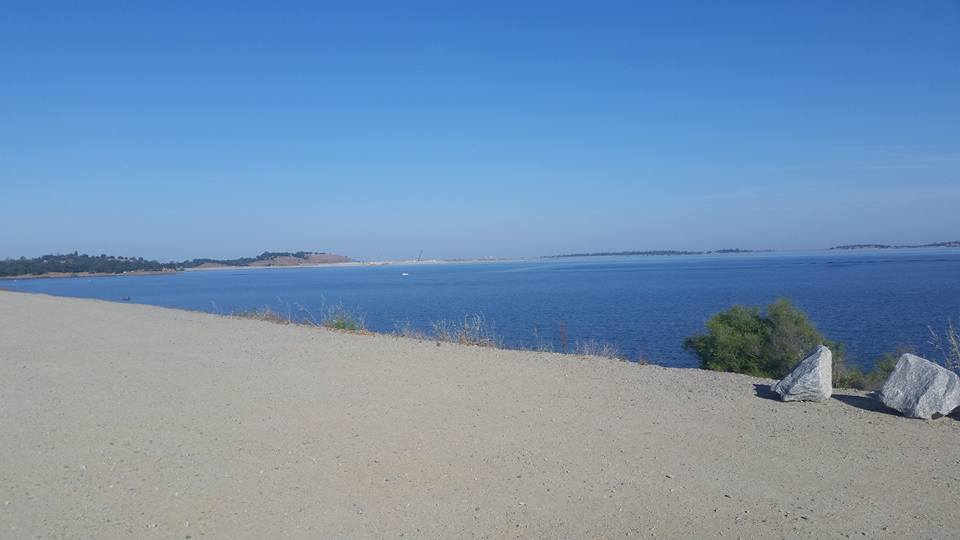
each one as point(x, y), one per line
point(595, 347)
point(949, 346)
point(407, 330)
point(262, 314)
point(336, 317)
point(473, 330)
point(540, 344)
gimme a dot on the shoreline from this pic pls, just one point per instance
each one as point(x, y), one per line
point(71, 275)
point(173, 423)
point(354, 264)
point(541, 259)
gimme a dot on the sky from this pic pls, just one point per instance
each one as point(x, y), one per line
point(174, 130)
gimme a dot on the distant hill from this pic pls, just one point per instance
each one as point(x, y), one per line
point(76, 263)
point(271, 258)
point(953, 244)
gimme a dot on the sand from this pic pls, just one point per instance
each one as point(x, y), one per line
point(128, 421)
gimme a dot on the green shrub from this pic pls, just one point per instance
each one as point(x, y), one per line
point(745, 340)
point(844, 377)
point(340, 318)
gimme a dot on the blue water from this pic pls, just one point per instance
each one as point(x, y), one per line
point(871, 301)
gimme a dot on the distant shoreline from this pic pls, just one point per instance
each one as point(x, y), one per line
point(54, 275)
point(541, 258)
point(658, 253)
point(353, 264)
point(937, 245)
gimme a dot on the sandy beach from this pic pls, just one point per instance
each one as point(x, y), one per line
point(129, 421)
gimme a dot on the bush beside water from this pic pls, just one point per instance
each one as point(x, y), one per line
point(771, 343)
point(764, 344)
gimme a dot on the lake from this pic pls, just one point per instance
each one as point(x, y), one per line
point(872, 301)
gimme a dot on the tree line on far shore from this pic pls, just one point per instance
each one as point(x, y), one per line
point(81, 263)
point(75, 263)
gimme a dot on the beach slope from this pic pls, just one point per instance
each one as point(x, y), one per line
point(128, 421)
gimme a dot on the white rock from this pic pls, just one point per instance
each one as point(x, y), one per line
point(919, 388)
point(811, 380)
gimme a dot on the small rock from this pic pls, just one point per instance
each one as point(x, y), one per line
point(919, 388)
point(811, 380)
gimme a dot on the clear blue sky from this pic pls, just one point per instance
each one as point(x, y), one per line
point(175, 130)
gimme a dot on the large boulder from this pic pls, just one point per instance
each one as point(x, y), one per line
point(811, 380)
point(919, 388)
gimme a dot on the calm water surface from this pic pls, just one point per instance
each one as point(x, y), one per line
point(872, 301)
